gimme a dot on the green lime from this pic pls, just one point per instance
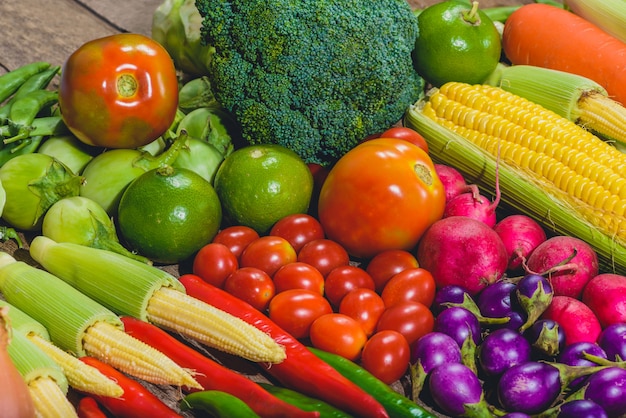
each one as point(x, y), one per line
point(260, 184)
point(167, 214)
point(456, 42)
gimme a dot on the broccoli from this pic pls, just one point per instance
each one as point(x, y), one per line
point(314, 76)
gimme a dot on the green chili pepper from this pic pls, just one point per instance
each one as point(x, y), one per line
point(11, 81)
point(45, 126)
point(304, 402)
point(25, 109)
point(396, 404)
point(35, 82)
point(218, 404)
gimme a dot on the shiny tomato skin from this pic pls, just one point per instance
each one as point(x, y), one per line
point(386, 355)
point(411, 319)
point(294, 310)
point(119, 91)
point(298, 229)
point(252, 285)
point(382, 194)
point(324, 255)
point(364, 306)
point(298, 275)
point(407, 134)
point(338, 334)
point(236, 238)
point(214, 263)
point(414, 284)
point(343, 279)
point(268, 253)
point(384, 265)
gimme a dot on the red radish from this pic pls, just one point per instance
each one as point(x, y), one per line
point(605, 294)
point(568, 262)
point(575, 318)
point(453, 181)
point(521, 235)
point(462, 251)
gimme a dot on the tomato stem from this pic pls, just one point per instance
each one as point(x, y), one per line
point(126, 85)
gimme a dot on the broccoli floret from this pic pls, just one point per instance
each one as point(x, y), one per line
point(314, 76)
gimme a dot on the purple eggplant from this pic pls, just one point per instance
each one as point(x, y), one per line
point(581, 408)
point(546, 337)
point(494, 301)
point(574, 355)
point(501, 350)
point(613, 341)
point(428, 352)
point(515, 415)
point(460, 324)
point(534, 294)
point(607, 388)
point(451, 294)
point(456, 389)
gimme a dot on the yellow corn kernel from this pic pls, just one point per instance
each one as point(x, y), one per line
point(206, 324)
point(49, 399)
point(80, 376)
point(113, 346)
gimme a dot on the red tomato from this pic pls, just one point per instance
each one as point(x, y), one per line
point(386, 264)
point(236, 238)
point(324, 255)
point(295, 310)
point(268, 253)
point(411, 319)
point(214, 263)
point(298, 229)
point(381, 195)
point(386, 355)
point(120, 91)
point(251, 285)
point(298, 275)
point(365, 306)
point(343, 279)
point(414, 284)
point(338, 334)
point(407, 134)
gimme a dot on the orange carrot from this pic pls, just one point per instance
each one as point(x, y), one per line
point(551, 37)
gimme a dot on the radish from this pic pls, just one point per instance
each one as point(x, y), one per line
point(568, 262)
point(521, 235)
point(605, 294)
point(462, 251)
point(453, 181)
point(575, 318)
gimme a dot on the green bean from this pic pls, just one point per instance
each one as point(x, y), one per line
point(25, 146)
point(45, 126)
point(11, 81)
point(35, 82)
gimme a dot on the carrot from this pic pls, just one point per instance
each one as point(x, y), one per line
point(551, 37)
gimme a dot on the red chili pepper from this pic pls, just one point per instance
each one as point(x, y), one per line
point(212, 375)
point(301, 370)
point(136, 402)
point(88, 408)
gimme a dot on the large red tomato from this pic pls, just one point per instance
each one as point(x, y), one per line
point(120, 91)
point(383, 194)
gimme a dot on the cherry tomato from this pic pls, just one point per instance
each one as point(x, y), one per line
point(236, 238)
point(298, 275)
point(119, 91)
point(298, 229)
point(343, 279)
point(387, 263)
point(414, 284)
point(214, 263)
point(386, 355)
point(324, 255)
point(251, 285)
point(365, 306)
point(268, 253)
point(411, 319)
point(407, 134)
point(338, 334)
point(294, 310)
point(381, 195)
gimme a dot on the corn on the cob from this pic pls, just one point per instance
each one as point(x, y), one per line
point(80, 325)
point(132, 288)
point(608, 15)
point(80, 376)
point(574, 97)
point(46, 381)
point(542, 171)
